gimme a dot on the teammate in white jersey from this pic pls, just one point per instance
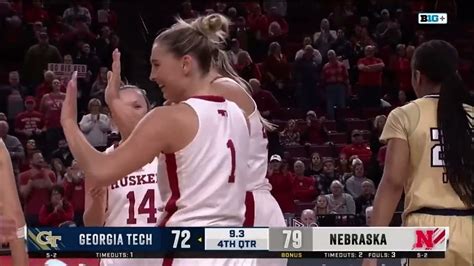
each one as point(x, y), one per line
point(12, 219)
point(201, 140)
point(133, 200)
point(261, 207)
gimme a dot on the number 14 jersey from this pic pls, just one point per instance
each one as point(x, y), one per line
point(134, 200)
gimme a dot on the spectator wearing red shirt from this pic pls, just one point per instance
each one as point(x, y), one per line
point(276, 66)
point(277, 71)
point(304, 188)
point(314, 133)
point(75, 191)
point(34, 188)
point(57, 210)
point(59, 170)
point(36, 12)
point(358, 147)
point(282, 183)
point(30, 150)
point(246, 68)
point(336, 82)
point(400, 65)
point(257, 24)
point(51, 105)
point(370, 78)
point(46, 86)
point(264, 99)
point(30, 123)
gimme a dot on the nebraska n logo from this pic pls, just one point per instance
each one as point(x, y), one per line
point(427, 239)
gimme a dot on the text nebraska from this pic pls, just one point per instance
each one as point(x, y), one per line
point(357, 239)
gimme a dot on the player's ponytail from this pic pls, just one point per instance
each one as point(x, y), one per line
point(438, 61)
point(457, 136)
point(224, 67)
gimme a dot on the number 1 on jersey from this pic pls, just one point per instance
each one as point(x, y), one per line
point(230, 145)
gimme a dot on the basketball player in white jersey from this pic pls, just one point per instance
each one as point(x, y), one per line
point(201, 141)
point(12, 219)
point(261, 207)
point(134, 199)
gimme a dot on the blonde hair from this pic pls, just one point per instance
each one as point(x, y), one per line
point(92, 101)
point(202, 38)
point(316, 207)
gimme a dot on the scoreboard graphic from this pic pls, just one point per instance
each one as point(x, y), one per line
point(198, 242)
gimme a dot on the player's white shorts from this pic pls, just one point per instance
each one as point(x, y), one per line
point(207, 262)
point(266, 213)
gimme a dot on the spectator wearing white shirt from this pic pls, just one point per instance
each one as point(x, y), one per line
point(338, 201)
point(316, 55)
point(354, 183)
point(95, 125)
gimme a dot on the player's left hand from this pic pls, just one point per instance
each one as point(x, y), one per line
point(69, 108)
point(369, 262)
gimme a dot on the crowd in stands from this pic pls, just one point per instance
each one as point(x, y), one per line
point(34, 34)
point(328, 92)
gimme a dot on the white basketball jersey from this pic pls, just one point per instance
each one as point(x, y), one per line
point(134, 200)
point(258, 154)
point(204, 183)
point(258, 150)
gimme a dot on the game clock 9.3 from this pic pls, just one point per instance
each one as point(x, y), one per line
point(236, 233)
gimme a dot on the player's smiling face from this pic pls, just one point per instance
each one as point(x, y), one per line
point(168, 72)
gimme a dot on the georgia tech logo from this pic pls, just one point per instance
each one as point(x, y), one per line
point(47, 238)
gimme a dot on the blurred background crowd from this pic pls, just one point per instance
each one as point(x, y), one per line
point(326, 73)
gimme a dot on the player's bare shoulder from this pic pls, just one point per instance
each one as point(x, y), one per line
point(233, 91)
point(178, 123)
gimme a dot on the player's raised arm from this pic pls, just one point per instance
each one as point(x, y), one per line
point(145, 143)
point(9, 197)
point(112, 96)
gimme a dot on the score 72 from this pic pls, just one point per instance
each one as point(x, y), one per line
point(181, 237)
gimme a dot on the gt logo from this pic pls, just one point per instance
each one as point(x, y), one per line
point(47, 238)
